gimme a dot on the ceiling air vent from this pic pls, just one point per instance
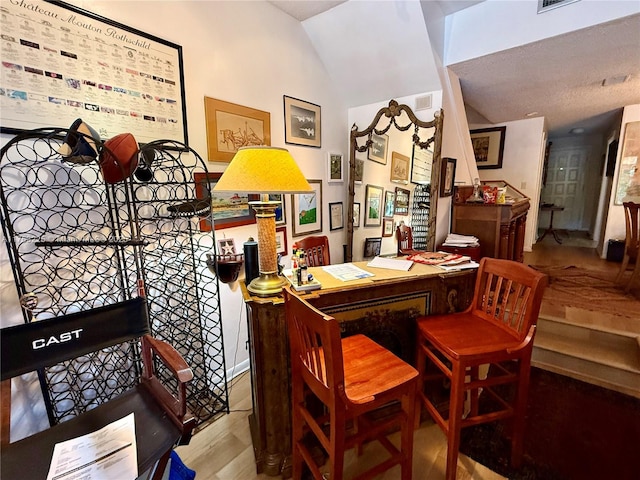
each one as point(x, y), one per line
point(424, 102)
point(545, 5)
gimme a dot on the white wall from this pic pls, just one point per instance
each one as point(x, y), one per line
point(615, 228)
point(248, 53)
point(522, 165)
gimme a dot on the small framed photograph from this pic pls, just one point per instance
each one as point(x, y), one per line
point(302, 122)
point(336, 217)
point(335, 167)
point(399, 168)
point(226, 246)
point(488, 146)
point(447, 176)
point(402, 201)
point(356, 214)
point(281, 240)
point(387, 227)
point(378, 148)
point(359, 171)
point(307, 210)
point(421, 166)
point(373, 206)
point(389, 203)
point(372, 247)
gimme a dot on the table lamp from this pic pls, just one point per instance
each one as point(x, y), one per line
point(264, 170)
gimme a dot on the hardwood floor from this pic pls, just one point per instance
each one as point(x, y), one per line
point(223, 449)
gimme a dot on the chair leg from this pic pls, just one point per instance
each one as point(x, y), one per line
point(297, 432)
point(634, 275)
point(519, 414)
point(623, 268)
point(456, 405)
point(161, 466)
point(336, 444)
point(406, 441)
point(421, 360)
point(474, 393)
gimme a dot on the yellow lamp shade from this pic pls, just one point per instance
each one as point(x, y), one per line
point(263, 170)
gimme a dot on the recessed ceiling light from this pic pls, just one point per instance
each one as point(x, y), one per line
point(577, 131)
point(615, 80)
point(531, 114)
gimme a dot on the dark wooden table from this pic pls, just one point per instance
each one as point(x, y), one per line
point(550, 229)
point(383, 307)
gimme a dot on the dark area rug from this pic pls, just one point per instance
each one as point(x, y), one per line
point(574, 430)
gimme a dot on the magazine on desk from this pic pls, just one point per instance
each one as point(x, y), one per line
point(444, 260)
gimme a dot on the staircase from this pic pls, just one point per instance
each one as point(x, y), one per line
point(601, 349)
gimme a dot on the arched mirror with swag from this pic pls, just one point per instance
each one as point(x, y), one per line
point(394, 178)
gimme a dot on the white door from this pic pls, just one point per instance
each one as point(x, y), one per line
point(565, 187)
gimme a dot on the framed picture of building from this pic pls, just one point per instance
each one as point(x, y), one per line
point(488, 146)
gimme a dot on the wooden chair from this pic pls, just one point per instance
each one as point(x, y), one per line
point(316, 249)
point(404, 238)
point(161, 416)
point(350, 377)
point(631, 243)
point(496, 330)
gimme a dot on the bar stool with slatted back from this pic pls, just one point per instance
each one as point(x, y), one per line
point(631, 244)
point(351, 377)
point(316, 248)
point(497, 330)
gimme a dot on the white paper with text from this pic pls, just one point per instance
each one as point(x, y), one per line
point(106, 454)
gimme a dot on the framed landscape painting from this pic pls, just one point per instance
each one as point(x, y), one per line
point(228, 209)
point(307, 210)
point(373, 206)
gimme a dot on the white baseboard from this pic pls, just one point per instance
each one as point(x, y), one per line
point(237, 370)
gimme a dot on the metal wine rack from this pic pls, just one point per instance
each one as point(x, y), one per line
point(420, 216)
point(76, 242)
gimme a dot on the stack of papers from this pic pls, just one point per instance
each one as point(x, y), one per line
point(390, 263)
point(346, 272)
point(457, 240)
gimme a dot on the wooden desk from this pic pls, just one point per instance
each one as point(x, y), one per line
point(383, 307)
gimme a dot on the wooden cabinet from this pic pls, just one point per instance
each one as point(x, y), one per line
point(384, 309)
point(499, 227)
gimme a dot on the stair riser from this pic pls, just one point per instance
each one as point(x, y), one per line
point(587, 334)
point(623, 381)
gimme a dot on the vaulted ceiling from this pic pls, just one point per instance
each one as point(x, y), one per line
point(374, 53)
